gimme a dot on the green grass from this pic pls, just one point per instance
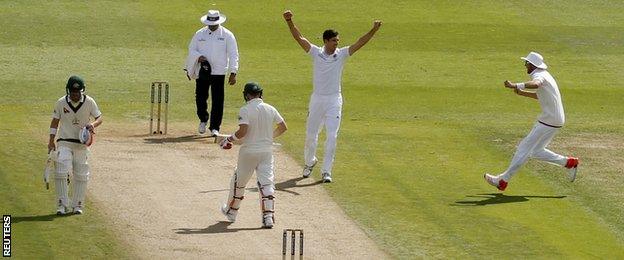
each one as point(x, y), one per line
point(425, 113)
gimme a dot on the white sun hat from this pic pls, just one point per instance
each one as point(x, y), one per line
point(535, 59)
point(213, 17)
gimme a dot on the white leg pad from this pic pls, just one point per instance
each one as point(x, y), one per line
point(267, 199)
point(63, 166)
point(237, 194)
point(60, 184)
point(79, 187)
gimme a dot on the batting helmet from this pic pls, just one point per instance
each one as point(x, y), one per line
point(252, 88)
point(75, 83)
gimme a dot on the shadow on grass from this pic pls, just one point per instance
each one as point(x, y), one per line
point(219, 227)
point(150, 139)
point(281, 186)
point(49, 217)
point(498, 198)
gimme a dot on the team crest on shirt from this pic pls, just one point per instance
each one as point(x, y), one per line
point(221, 39)
point(65, 111)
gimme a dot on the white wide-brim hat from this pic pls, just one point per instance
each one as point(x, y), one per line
point(213, 17)
point(536, 59)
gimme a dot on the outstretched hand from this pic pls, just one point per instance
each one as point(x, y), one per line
point(508, 84)
point(377, 24)
point(287, 15)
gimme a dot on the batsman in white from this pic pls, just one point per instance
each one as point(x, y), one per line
point(547, 125)
point(256, 121)
point(72, 113)
point(325, 106)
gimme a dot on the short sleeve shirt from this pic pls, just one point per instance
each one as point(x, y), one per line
point(260, 118)
point(549, 98)
point(327, 72)
point(74, 116)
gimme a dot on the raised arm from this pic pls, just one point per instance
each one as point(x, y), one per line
point(303, 42)
point(365, 38)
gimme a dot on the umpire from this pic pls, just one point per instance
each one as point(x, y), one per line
point(212, 51)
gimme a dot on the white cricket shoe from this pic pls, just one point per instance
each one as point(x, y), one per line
point(307, 170)
point(572, 166)
point(267, 220)
point(230, 216)
point(327, 177)
point(78, 210)
point(214, 132)
point(495, 181)
point(61, 210)
point(202, 128)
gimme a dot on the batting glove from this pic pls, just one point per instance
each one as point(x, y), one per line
point(226, 143)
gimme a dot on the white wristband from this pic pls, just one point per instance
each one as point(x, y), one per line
point(233, 137)
point(520, 86)
point(52, 131)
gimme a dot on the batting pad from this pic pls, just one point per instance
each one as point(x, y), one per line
point(60, 185)
point(79, 187)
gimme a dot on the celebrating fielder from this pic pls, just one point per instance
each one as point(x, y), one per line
point(256, 121)
point(73, 113)
point(547, 125)
point(325, 106)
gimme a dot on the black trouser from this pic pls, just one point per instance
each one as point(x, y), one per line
point(214, 83)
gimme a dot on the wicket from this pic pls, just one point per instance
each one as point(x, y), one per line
point(292, 241)
point(160, 85)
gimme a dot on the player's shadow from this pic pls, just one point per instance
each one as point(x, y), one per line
point(178, 139)
point(499, 198)
point(219, 227)
point(49, 217)
point(293, 183)
point(280, 186)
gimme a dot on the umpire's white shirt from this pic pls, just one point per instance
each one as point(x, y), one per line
point(218, 47)
point(74, 116)
point(327, 70)
point(261, 119)
point(549, 98)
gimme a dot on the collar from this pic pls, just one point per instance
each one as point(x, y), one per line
point(82, 99)
point(255, 100)
point(218, 30)
point(535, 71)
point(325, 53)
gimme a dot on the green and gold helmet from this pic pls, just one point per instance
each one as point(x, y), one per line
point(252, 88)
point(75, 83)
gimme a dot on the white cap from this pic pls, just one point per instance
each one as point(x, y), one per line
point(535, 59)
point(213, 17)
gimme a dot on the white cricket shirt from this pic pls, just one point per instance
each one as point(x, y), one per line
point(327, 73)
point(261, 119)
point(74, 116)
point(219, 47)
point(549, 98)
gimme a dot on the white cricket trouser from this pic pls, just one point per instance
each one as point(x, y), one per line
point(323, 110)
point(248, 162)
point(534, 146)
point(72, 157)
